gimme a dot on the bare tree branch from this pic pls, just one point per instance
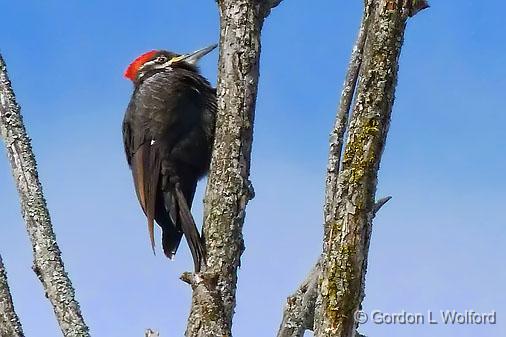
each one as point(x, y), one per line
point(48, 264)
point(228, 188)
point(9, 321)
point(292, 324)
point(348, 219)
point(341, 123)
point(298, 315)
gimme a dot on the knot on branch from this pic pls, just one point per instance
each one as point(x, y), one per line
point(409, 7)
point(208, 280)
point(413, 7)
point(268, 5)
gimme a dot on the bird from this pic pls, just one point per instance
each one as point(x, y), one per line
point(168, 135)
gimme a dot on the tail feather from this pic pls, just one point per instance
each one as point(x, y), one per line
point(182, 223)
point(171, 238)
point(167, 204)
point(170, 206)
point(190, 230)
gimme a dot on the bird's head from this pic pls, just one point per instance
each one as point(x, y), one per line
point(160, 60)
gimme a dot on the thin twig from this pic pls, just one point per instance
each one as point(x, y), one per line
point(380, 203)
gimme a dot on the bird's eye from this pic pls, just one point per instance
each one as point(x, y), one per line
point(161, 59)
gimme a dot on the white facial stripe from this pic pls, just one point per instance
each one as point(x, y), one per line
point(153, 65)
point(147, 64)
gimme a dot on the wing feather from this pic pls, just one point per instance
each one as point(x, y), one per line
point(146, 174)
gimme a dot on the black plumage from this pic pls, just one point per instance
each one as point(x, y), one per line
point(168, 133)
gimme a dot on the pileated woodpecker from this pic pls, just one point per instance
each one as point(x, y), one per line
point(168, 133)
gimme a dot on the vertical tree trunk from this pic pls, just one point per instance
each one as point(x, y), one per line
point(47, 263)
point(348, 216)
point(9, 321)
point(229, 188)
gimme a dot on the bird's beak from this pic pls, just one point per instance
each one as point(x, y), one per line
point(194, 57)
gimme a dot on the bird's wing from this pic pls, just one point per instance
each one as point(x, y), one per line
point(144, 161)
point(162, 126)
point(127, 139)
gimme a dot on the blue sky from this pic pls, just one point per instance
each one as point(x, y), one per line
point(439, 244)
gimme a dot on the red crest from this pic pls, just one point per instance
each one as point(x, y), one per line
point(133, 68)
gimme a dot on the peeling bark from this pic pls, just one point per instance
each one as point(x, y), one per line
point(228, 189)
point(348, 218)
point(9, 321)
point(47, 263)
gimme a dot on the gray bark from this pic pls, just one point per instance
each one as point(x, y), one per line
point(348, 217)
point(298, 311)
point(9, 321)
point(47, 263)
point(298, 315)
point(341, 123)
point(351, 184)
point(228, 188)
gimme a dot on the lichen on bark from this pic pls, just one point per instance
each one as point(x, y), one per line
point(47, 261)
point(348, 211)
point(9, 320)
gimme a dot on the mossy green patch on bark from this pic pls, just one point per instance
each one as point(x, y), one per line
point(348, 216)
